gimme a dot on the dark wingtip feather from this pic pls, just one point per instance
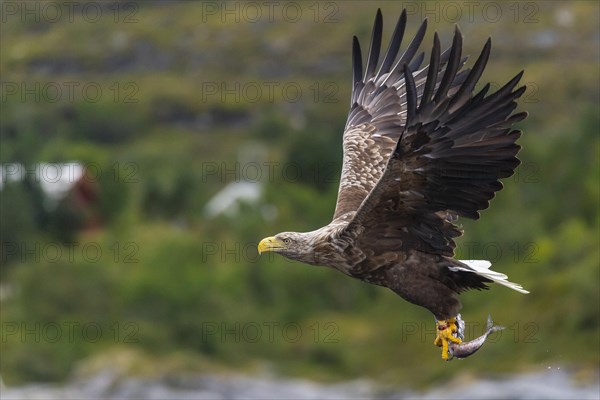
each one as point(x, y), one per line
point(519, 92)
point(519, 75)
point(394, 45)
point(356, 61)
point(513, 119)
point(454, 62)
point(414, 44)
point(469, 84)
point(418, 60)
point(512, 83)
point(457, 30)
point(411, 95)
point(375, 46)
point(481, 94)
point(432, 73)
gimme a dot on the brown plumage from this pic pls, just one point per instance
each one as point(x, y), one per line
point(420, 150)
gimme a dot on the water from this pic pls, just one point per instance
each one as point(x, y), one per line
point(549, 384)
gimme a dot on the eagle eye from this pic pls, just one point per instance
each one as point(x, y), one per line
point(286, 241)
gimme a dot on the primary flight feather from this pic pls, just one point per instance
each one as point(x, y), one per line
point(420, 150)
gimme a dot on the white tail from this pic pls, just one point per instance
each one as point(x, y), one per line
point(482, 268)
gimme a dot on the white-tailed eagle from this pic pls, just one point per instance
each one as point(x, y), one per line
point(420, 150)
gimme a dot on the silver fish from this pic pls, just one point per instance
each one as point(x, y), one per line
point(465, 349)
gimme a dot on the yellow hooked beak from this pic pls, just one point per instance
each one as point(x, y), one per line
point(270, 244)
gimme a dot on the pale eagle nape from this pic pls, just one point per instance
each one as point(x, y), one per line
point(420, 150)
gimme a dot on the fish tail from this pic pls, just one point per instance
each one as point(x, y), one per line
point(491, 328)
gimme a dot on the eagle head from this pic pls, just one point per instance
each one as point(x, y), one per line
point(292, 245)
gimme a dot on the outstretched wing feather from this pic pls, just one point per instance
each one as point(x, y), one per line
point(420, 149)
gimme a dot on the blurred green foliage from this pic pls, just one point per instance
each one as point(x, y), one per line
point(169, 280)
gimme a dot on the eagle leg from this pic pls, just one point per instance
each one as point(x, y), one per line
point(446, 330)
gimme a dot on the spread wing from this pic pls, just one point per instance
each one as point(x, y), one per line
point(378, 110)
point(452, 151)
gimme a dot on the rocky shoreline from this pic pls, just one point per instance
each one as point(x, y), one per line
point(548, 384)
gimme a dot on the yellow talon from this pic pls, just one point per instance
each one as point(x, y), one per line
point(446, 329)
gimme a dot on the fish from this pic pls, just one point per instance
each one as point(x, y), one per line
point(465, 349)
